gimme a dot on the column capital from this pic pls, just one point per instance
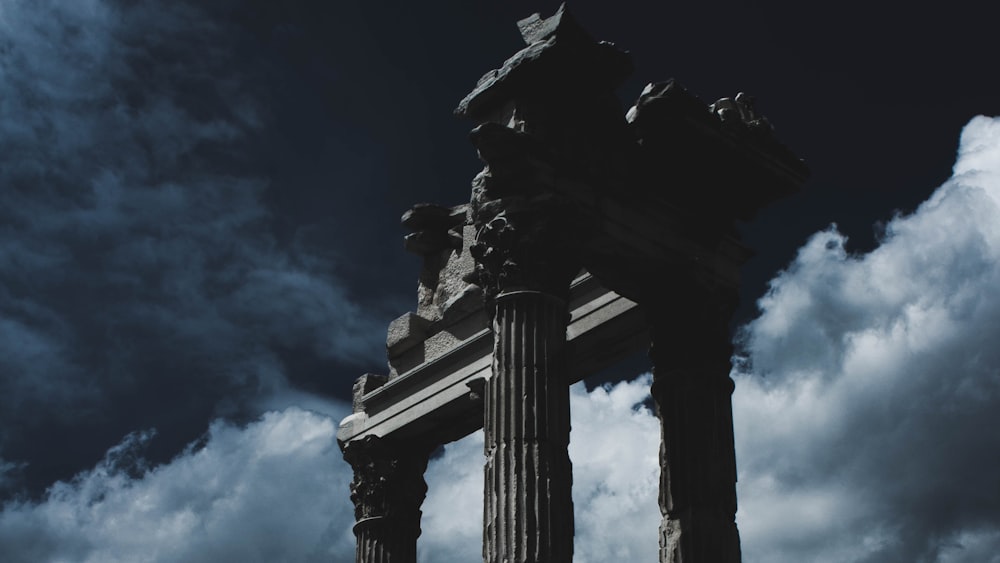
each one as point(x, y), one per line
point(388, 478)
point(523, 243)
point(387, 491)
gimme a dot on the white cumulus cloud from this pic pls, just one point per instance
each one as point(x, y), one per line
point(867, 414)
point(275, 490)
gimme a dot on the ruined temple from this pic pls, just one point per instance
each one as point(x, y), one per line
point(590, 233)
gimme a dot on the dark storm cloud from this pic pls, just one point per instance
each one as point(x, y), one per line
point(140, 283)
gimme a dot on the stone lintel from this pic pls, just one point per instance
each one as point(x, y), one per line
point(437, 397)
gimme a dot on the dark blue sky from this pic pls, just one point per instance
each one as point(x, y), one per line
point(200, 201)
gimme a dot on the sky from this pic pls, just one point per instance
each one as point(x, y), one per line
point(200, 250)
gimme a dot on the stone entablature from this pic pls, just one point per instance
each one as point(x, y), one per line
point(438, 398)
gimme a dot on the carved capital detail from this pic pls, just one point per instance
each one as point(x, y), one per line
point(523, 242)
point(388, 481)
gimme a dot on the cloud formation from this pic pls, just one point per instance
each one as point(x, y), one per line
point(275, 490)
point(141, 283)
point(866, 412)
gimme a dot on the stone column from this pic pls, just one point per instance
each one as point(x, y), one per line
point(692, 389)
point(528, 508)
point(387, 490)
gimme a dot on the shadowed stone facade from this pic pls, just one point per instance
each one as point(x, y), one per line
point(590, 232)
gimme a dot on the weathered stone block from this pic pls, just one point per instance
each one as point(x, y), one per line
point(405, 332)
point(364, 385)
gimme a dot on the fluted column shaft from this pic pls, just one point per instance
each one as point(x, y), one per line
point(383, 540)
point(692, 390)
point(528, 509)
point(387, 490)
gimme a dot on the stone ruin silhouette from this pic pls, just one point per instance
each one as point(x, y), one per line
point(589, 235)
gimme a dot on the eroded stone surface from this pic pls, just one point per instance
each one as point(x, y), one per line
point(449, 307)
point(364, 385)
